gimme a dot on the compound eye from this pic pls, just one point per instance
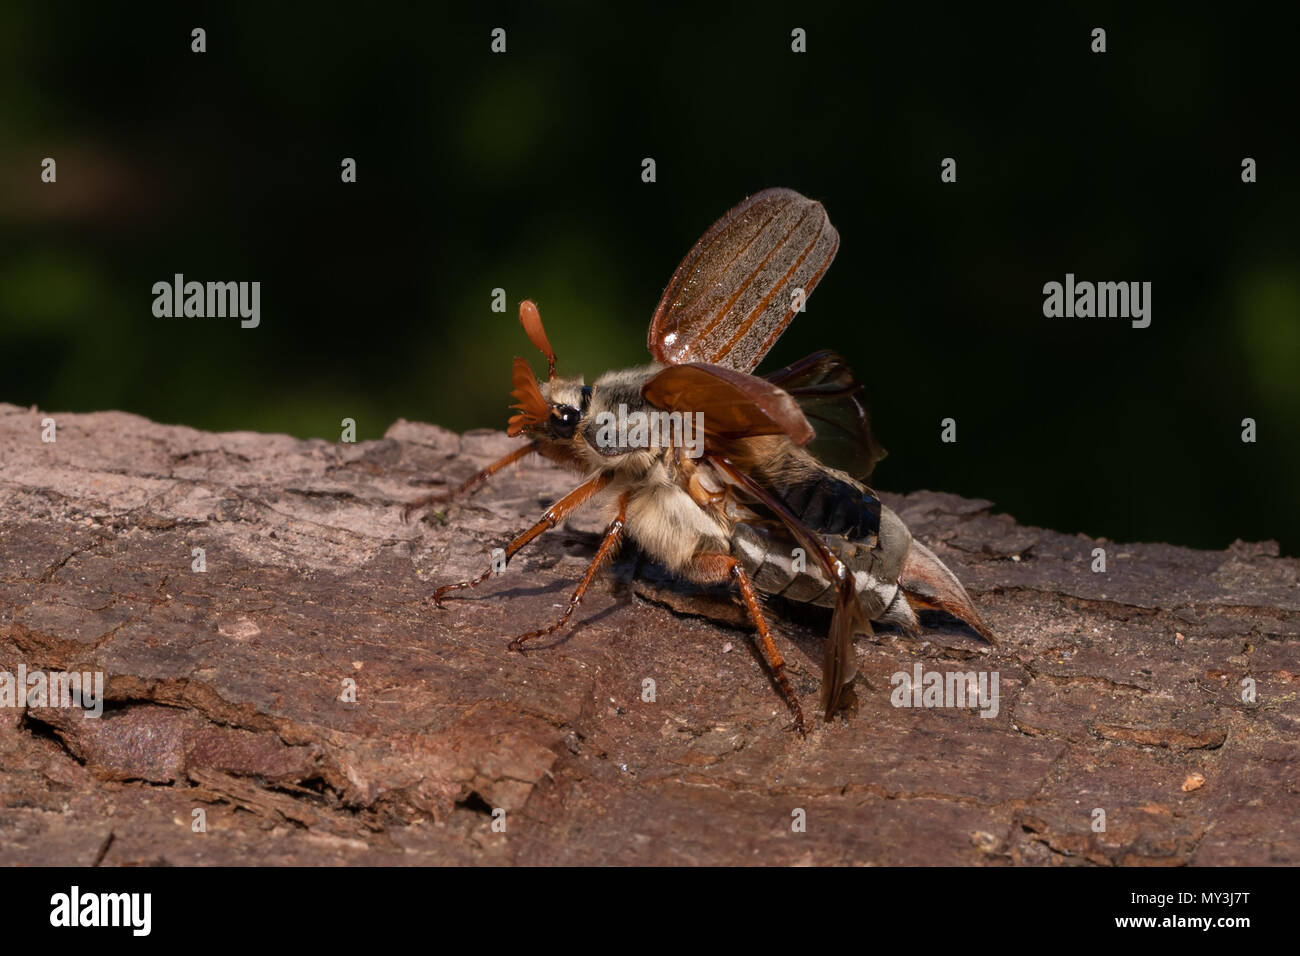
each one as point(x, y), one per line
point(564, 421)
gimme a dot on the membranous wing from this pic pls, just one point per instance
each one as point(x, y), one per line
point(831, 398)
point(740, 286)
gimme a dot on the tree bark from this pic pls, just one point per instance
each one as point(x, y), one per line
point(228, 737)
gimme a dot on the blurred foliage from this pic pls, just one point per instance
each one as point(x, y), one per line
point(522, 171)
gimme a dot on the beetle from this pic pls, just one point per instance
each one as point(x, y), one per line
point(757, 497)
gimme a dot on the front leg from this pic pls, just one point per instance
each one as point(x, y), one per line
point(552, 516)
point(607, 545)
point(440, 497)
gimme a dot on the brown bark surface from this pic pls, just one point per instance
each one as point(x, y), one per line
point(1120, 691)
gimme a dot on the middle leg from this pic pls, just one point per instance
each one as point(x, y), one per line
point(717, 568)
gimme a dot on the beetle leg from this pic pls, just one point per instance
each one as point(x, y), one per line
point(441, 496)
point(607, 545)
point(552, 516)
point(715, 567)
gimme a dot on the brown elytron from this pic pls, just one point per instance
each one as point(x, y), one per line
point(729, 300)
point(758, 490)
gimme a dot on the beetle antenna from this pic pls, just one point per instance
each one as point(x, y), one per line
point(531, 320)
point(532, 408)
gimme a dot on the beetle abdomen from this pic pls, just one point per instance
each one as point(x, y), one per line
point(779, 567)
point(832, 504)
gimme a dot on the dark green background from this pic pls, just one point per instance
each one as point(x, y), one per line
point(523, 171)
